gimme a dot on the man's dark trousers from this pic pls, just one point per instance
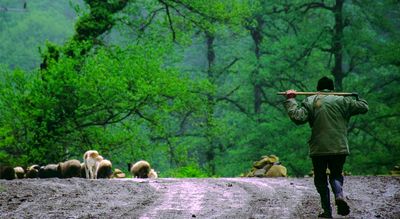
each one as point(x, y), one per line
point(335, 164)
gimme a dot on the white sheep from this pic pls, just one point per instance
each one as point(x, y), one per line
point(91, 159)
point(32, 171)
point(19, 172)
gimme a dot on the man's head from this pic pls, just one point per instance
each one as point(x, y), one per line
point(325, 83)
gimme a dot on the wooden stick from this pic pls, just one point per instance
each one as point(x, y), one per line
point(320, 93)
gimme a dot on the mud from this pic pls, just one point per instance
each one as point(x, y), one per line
point(368, 197)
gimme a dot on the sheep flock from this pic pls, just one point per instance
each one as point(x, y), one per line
point(94, 166)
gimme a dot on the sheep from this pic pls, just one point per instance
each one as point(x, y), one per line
point(152, 174)
point(19, 172)
point(118, 174)
point(277, 171)
point(140, 169)
point(104, 169)
point(69, 169)
point(7, 172)
point(32, 171)
point(49, 171)
point(83, 170)
point(91, 159)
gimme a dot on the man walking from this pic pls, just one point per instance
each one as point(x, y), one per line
point(328, 117)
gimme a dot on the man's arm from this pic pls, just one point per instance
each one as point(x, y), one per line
point(358, 106)
point(298, 115)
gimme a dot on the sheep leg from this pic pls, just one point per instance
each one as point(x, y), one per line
point(91, 173)
point(95, 170)
point(87, 172)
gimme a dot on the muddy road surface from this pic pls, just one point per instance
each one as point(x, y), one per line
point(368, 197)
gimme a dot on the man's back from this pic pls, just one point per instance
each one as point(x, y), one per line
point(328, 116)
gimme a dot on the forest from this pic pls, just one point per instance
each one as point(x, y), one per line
point(191, 85)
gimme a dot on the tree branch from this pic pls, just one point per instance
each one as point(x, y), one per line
point(306, 7)
point(171, 26)
point(266, 100)
point(307, 51)
point(386, 116)
point(231, 92)
point(194, 10)
point(183, 123)
point(228, 66)
point(137, 112)
point(371, 133)
point(298, 83)
point(383, 84)
point(235, 103)
point(149, 19)
point(109, 120)
point(185, 17)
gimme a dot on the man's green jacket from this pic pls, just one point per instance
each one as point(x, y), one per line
point(328, 116)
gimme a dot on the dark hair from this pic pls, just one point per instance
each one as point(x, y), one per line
point(325, 83)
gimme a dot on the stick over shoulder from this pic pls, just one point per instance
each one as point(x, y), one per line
point(320, 93)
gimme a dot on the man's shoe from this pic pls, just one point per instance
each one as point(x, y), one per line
point(342, 207)
point(325, 215)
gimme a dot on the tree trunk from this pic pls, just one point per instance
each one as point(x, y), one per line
point(210, 154)
point(256, 34)
point(337, 45)
point(172, 156)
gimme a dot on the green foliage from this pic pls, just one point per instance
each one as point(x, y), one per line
point(189, 171)
point(61, 106)
point(98, 20)
point(22, 32)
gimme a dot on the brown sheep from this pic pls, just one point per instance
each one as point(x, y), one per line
point(19, 172)
point(83, 170)
point(118, 174)
point(69, 169)
point(104, 169)
point(140, 169)
point(152, 174)
point(7, 172)
point(49, 171)
point(32, 171)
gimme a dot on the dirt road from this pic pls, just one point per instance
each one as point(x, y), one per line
point(369, 197)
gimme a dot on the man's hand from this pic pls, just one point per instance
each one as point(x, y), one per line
point(290, 94)
point(356, 96)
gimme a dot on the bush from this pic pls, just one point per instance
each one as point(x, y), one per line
point(189, 171)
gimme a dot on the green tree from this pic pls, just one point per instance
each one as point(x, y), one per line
point(24, 30)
